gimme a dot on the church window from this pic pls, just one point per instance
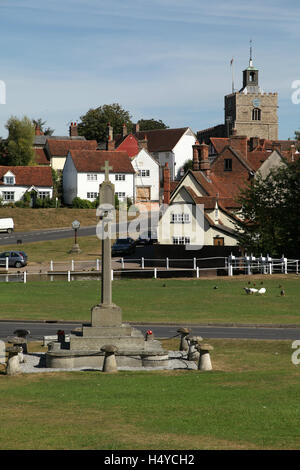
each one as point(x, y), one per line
point(256, 114)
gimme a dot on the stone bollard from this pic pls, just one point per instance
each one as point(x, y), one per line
point(204, 362)
point(13, 363)
point(20, 343)
point(184, 345)
point(109, 363)
point(193, 353)
point(22, 333)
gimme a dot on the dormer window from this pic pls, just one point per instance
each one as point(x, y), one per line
point(9, 179)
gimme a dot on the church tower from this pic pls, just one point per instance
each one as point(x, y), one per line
point(250, 111)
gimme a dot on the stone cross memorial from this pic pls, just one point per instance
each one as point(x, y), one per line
point(106, 313)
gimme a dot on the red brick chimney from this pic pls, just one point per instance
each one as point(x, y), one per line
point(167, 185)
point(137, 128)
point(143, 143)
point(124, 130)
point(196, 151)
point(38, 130)
point(204, 160)
point(73, 130)
point(110, 139)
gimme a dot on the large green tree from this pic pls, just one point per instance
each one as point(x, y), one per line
point(271, 213)
point(94, 124)
point(19, 144)
point(151, 124)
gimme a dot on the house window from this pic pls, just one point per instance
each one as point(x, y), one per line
point(218, 241)
point(181, 240)
point(91, 195)
point(180, 218)
point(120, 177)
point(228, 164)
point(92, 177)
point(8, 195)
point(120, 195)
point(9, 180)
point(144, 173)
point(44, 194)
point(256, 114)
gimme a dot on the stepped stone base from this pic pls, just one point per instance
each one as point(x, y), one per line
point(106, 328)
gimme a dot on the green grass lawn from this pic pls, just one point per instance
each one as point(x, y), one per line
point(249, 401)
point(156, 300)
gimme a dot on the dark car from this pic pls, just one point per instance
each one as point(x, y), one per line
point(123, 246)
point(16, 259)
point(147, 238)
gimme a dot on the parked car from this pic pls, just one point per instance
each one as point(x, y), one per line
point(7, 225)
point(123, 246)
point(147, 238)
point(15, 259)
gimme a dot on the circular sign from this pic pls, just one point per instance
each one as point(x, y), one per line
point(75, 224)
point(256, 102)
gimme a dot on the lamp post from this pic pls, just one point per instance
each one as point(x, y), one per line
point(75, 227)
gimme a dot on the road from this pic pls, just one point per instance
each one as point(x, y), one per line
point(40, 329)
point(45, 235)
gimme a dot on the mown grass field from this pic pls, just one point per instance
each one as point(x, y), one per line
point(26, 219)
point(157, 300)
point(58, 250)
point(250, 400)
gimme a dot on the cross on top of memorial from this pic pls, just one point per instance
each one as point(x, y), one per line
point(106, 168)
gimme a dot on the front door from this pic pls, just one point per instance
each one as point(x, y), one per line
point(143, 193)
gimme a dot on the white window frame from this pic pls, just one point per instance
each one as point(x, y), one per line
point(10, 193)
point(9, 180)
point(92, 176)
point(181, 240)
point(92, 195)
point(43, 194)
point(120, 194)
point(183, 218)
point(144, 173)
point(120, 177)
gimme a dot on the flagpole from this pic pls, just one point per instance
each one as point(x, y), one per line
point(232, 78)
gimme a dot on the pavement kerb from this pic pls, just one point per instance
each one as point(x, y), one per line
point(188, 325)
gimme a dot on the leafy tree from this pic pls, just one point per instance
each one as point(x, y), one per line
point(151, 124)
point(188, 165)
point(94, 123)
point(19, 145)
point(40, 123)
point(271, 213)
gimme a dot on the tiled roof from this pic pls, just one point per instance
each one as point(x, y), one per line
point(93, 160)
point(128, 144)
point(40, 157)
point(61, 147)
point(162, 140)
point(29, 175)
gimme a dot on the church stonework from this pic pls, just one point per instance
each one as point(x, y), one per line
point(252, 114)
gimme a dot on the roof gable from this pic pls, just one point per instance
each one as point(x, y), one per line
point(162, 140)
point(94, 160)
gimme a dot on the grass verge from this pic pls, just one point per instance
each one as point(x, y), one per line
point(156, 300)
point(249, 401)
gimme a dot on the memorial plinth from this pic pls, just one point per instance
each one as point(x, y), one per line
point(106, 327)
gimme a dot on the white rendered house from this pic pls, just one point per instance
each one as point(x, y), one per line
point(15, 181)
point(83, 172)
point(172, 146)
point(146, 177)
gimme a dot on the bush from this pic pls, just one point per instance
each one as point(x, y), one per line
point(79, 203)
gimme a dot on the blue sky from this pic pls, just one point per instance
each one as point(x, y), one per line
point(161, 59)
